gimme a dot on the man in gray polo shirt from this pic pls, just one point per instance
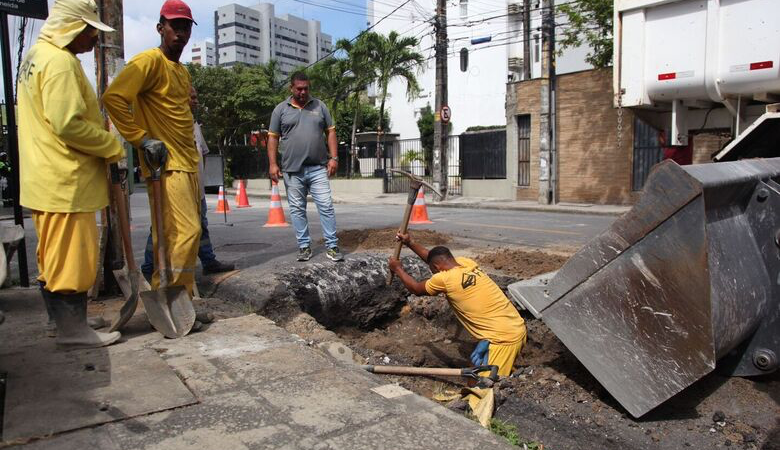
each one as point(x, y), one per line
point(302, 123)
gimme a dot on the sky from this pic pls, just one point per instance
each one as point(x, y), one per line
point(140, 17)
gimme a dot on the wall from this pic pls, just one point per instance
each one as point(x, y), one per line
point(488, 189)
point(704, 145)
point(592, 168)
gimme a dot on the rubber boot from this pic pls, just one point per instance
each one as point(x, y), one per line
point(70, 314)
point(51, 326)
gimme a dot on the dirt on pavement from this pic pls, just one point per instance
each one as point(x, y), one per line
point(384, 238)
point(519, 263)
point(552, 398)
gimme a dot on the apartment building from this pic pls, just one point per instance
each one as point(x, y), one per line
point(204, 53)
point(255, 35)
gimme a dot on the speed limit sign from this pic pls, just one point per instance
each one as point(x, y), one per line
point(446, 114)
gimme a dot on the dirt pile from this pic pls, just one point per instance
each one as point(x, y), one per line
point(384, 238)
point(523, 264)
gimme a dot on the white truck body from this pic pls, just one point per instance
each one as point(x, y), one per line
point(697, 63)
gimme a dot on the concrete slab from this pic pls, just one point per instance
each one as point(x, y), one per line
point(49, 391)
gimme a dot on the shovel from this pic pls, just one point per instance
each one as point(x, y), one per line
point(468, 372)
point(129, 277)
point(169, 308)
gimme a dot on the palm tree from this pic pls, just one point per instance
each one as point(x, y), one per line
point(394, 56)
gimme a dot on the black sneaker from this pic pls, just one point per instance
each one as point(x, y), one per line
point(334, 254)
point(304, 254)
point(218, 267)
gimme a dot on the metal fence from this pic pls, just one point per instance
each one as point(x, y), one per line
point(484, 154)
point(410, 156)
point(647, 153)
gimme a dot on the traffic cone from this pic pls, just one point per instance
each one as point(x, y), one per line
point(222, 203)
point(276, 213)
point(241, 199)
point(419, 210)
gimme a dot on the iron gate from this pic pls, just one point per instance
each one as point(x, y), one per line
point(408, 155)
point(647, 152)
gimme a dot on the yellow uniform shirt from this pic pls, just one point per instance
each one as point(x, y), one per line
point(63, 145)
point(151, 96)
point(478, 303)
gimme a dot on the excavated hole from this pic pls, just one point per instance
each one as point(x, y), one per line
point(351, 303)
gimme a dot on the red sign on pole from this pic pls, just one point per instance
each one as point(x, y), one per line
point(446, 114)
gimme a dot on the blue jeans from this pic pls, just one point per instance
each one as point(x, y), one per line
point(311, 180)
point(205, 252)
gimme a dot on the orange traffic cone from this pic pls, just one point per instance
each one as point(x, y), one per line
point(222, 203)
point(276, 213)
point(419, 210)
point(241, 198)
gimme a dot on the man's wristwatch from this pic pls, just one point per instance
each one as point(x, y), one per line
point(334, 158)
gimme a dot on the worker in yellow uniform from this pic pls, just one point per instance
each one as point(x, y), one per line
point(64, 150)
point(479, 304)
point(148, 103)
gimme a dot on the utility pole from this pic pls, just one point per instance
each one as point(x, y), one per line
point(109, 60)
point(547, 155)
point(440, 127)
point(526, 39)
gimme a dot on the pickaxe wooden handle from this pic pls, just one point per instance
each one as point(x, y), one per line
point(415, 185)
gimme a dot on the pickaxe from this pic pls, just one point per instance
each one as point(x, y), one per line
point(414, 187)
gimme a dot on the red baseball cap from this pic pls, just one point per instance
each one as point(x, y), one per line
point(176, 9)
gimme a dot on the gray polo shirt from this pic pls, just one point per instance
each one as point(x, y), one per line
point(302, 133)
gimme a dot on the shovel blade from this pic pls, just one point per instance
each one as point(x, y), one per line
point(129, 284)
point(170, 310)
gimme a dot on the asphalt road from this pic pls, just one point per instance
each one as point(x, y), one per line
point(244, 241)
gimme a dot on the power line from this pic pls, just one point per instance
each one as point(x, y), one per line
point(363, 32)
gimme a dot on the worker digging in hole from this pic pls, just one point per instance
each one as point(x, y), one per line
point(479, 304)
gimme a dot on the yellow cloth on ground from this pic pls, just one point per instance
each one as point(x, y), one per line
point(63, 146)
point(181, 227)
point(67, 250)
point(151, 97)
point(478, 303)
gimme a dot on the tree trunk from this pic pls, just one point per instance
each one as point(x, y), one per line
point(353, 146)
point(380, 129)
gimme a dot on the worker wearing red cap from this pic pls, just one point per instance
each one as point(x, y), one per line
point(148, 103)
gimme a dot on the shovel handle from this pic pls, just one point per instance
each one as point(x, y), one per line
point(404, 226)
point(124, 221)
point(162, 250)
point(403, 370)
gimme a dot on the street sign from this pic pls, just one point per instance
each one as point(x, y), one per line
point(36, 9)
point(446, 114)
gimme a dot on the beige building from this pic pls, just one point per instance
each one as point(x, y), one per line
point(598, 162)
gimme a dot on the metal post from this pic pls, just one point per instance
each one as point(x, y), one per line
point(440, 129)
point(13, 144)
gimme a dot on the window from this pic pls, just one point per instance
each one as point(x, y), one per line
point(464, 9)
point(537, 48)
point(524, 150)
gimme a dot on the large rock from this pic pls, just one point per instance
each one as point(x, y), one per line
point(353, 292)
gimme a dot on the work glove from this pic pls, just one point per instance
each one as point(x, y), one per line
point(479, 357)
point(155, 151)
point(155, 154)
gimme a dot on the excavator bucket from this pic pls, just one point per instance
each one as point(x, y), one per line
point(687, 278)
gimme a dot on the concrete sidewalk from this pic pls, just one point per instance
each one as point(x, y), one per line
point(460, 202)
point(242, 383)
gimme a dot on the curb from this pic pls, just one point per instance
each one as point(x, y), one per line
point(540, 208)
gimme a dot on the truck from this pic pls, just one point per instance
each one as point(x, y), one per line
point(687, 281)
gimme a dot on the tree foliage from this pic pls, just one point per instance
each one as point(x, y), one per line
point(590, 23)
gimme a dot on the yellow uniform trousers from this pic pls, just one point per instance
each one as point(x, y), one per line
point(181, 226)
point(504, 356)
point(67, 250)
